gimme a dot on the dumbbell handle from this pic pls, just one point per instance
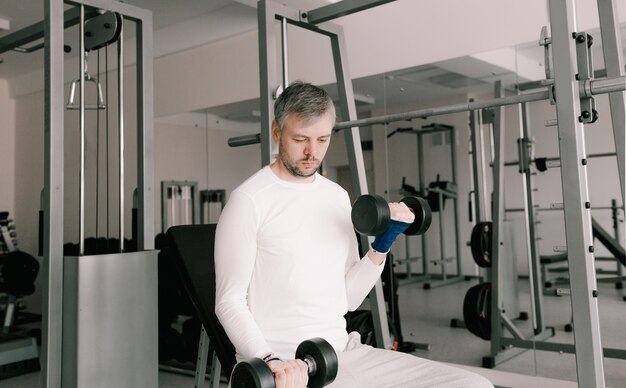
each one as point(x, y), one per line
point(311, 365)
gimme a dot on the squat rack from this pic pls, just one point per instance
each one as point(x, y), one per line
point(567, 88)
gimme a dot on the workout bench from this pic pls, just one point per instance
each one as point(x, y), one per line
point(191, 248)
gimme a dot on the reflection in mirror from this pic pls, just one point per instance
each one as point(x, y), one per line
point(412, 158)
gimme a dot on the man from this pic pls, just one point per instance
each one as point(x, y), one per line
point(287, 263)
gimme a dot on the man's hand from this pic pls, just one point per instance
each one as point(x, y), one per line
point(290, 373)
point(399, 211)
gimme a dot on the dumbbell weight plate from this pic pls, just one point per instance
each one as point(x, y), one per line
point(325, 359)
point(370, 215)
point(253, 373)
point(423, 215)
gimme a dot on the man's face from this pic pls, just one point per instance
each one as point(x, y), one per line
point(302, 144)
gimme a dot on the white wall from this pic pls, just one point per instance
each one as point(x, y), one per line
point(200, 155)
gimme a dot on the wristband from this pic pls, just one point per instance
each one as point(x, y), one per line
point(382, 243)
point(270, 357)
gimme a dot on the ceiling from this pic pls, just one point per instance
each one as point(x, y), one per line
point(175, 30)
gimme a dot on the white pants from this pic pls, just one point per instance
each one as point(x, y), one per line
point(363, 366)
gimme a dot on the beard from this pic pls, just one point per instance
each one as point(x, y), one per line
point(292, 166)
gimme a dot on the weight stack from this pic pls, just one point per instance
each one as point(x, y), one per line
point(110, 322)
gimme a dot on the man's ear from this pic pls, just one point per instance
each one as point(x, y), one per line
point(275, 131)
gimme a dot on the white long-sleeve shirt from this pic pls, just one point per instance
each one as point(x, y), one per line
point(287, 265)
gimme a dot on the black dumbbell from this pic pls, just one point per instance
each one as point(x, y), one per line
point(318, 354)
point(371, 215)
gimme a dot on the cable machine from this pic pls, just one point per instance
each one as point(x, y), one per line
point(78, 290)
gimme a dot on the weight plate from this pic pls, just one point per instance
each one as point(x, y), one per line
point(481, 243)
point(477, 310)
point(370, 215)
point(322, 354)
point(423, 215)
point(252, 374)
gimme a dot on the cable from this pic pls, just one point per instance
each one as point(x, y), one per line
point(106, 88)
point(97, 155)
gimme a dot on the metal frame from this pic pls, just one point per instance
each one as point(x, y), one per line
point(342, 8)
point(443, 279)
point(51, 29)
point(534, 262)
point(589, 363)
point(502, 274)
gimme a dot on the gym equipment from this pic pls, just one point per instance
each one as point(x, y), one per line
point(18, 271)
point(573, 160)
point(611, 243)
point(608, 241)
point(208, 213)
point(477, 310)
point(72, 333)
point(173, 302)
point(190, 248)
point(318, 354)
point(480, 243)
point(371, 215)
point(436, 193)
point(179, 204)
point(100, 31)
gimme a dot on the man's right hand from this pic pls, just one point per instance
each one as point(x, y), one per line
point(290, 373)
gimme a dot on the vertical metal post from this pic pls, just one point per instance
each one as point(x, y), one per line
point(283, 39)
point(498, 223)
point(457, 226)
point(267, 67)
point(478, 165)
point(442, 241)
point(201, 360)
point(534, 263)
point(145, 134)
point(614, 65)
point(422, 189)
point(120, 116)
point(589, 362)
point(357, 169)
point(614, 216)
point(81, 178)
point(52, 268)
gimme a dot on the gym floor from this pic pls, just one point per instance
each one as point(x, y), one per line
point(426, 316)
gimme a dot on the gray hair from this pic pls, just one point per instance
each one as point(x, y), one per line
point(305, 100)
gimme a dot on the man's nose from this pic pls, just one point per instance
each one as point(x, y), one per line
point(310, 149)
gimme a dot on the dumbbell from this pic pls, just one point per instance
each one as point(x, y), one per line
point(371, 215)
point(318, 354)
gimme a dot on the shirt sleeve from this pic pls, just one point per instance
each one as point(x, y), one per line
point(235, 253)
point(361, 275)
